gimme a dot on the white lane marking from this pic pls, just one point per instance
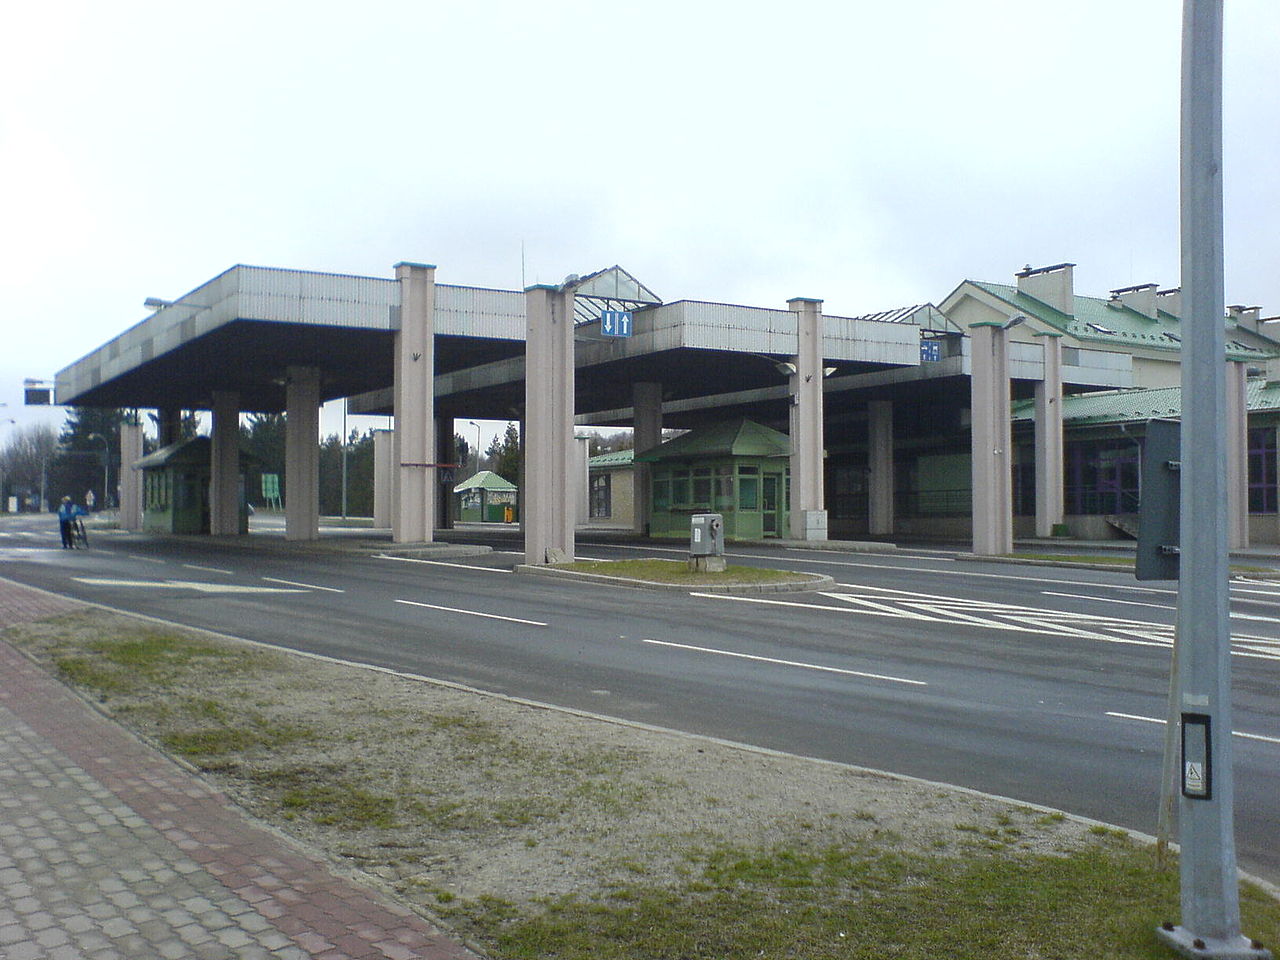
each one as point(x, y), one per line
point(196, 566)
point(440, 563)
point(182, 585)
point(1127, 603)
point(472, 613)
point(786, 663)
point(309, 586)
point(134, 556)
point(1243, 736)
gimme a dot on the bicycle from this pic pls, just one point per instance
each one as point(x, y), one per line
point(78, 537)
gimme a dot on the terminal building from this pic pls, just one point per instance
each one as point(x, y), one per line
point(1007, 408)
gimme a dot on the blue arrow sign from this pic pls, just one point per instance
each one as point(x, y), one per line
point(615, 323)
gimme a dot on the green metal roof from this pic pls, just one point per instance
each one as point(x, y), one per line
point(484, 480)
point(618, 458)
point(1111, 323)
point(733, 438)
point(1135, 406)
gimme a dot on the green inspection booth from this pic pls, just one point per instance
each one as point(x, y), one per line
point(175, 488)
point(487, 498)
point(739, 469)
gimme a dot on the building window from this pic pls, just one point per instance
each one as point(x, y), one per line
point(724, 488)
point(679, 488)
point(748, 493)
point(1262, 470)
point(601, 502)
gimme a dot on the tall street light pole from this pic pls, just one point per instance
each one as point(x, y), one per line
point(477, 426)
point(1210, 895)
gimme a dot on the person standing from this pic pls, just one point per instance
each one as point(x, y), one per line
point(67, 513)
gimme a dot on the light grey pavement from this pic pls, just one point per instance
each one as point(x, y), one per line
point(109, 851)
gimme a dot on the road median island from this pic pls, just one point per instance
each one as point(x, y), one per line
point(537, 832)
point(657, 574)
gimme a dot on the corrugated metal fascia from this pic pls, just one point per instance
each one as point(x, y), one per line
point(720, 326)
point(203, 309)
point(319, 299)
point(874, 341)
point(480, 312)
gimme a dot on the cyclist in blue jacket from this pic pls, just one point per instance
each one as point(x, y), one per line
point(67, 513)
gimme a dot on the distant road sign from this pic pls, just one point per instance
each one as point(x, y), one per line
point(930, 351)
point(615, 323)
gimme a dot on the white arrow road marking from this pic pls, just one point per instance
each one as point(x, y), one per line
point(1243, 736)
point(182, 585)
point(786, 663)
point(472, 613)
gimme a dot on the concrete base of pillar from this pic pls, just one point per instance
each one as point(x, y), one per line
point(707, 564)
point(814, 526)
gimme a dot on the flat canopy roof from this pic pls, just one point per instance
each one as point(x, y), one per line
point(241, 330)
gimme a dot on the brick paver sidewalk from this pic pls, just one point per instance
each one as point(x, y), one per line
point(109, 851)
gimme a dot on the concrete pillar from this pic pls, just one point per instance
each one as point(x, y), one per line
point(808, 508)
point(302, 454)
point(549, 508)
point(130, 476)
point(1050, 501)
point(414, 501)
point(446, 452)
point(383, 471)
point(991, 441)
point(880, 460)
point(646, 422)
point(224, 479)
point(168, 425)
point(1237, 430)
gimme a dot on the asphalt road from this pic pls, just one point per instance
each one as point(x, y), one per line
point(1040, 684)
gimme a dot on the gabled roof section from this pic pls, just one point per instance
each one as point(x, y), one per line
point(484, 480)
point(1111, 323)
point(732, 438)
point(1136, 406)
point(924, 315)
point(610, 289)
point(187, 453)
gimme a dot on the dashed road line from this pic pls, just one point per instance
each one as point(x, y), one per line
point(786, 663)
point(472, 613)
point(196, 566)
point(309, 586)
point(1244, 736)
point(441, 563)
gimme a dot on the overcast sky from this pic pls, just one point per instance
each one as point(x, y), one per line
point(871, 154)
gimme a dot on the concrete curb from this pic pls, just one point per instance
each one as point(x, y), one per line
point(819, 582)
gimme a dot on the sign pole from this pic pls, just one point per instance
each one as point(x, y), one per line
point(1209, 884)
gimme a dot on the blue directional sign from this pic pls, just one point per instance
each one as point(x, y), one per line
point(930, 351)
point(615, 323)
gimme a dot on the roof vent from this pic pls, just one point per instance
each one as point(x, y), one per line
point(1053, 285)
point(1141, 298)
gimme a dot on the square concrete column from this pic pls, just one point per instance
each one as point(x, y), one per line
point(1237, 430)
point(414, 499)
point(549, 506)
point(646, 422)
point(1050, 500)
point(383, 471)
point(224, 479)
point(130, 476)
point(302, 454)
point(880, 461)
point(991, 441)
point(807, 508)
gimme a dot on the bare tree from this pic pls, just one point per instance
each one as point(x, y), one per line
point(24, 459)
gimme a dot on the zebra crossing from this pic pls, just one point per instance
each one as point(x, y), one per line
point(891, 603)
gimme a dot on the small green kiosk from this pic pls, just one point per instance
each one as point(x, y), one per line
point(739, 469)
point(175, 484)
point(486, 498)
